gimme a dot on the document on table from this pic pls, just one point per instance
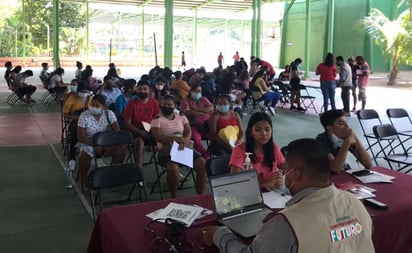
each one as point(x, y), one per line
point(275, 199)
point(184, 156)
point(374, 177)
point(180, 212)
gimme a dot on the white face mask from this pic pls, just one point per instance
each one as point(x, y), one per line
point(337, 141)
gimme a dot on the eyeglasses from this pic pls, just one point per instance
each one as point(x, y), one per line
point(176, 243)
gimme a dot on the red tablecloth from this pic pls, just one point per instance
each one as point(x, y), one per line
point(121, 229)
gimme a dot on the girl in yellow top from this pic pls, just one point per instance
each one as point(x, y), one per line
point(271, 97)
point(74, 105)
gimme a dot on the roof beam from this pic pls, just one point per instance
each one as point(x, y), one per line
point(204, 4)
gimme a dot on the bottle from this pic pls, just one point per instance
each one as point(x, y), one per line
point(72, 165)
point(68, 178)
point(247, 164)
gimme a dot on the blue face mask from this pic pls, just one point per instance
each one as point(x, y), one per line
point(73, 89)
point(95, 110)
point(196, 96)
point(222, 108)
point(337, 141)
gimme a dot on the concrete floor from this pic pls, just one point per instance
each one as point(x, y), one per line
point(39, 215)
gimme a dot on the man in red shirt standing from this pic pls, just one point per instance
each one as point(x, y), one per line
point(363, 78)
point(139, 110)
point(262, 64)
point(220, 60)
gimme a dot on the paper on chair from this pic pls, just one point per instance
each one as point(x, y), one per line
point(146, 126)
point(274, 199)
point(184, 156)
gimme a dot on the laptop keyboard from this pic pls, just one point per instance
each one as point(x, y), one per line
point(250, 222)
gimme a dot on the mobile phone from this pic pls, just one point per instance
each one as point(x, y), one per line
point(376, 204)
point(361, 173)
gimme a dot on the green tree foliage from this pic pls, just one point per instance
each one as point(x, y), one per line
point(393, 36)
point(38, 22)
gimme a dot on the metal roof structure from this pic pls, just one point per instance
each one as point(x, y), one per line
point(211, 5)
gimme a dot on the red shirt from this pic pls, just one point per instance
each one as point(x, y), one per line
point(327, 73)
point(271, 70)
point(223, 122)
point(136, 111)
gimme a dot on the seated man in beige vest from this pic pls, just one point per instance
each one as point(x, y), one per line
point(318, 218)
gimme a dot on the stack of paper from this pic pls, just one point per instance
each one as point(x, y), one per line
point(183, 213)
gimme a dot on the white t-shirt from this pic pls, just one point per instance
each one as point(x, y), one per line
point(55, 80)
point(88, 121)
point(111, 96)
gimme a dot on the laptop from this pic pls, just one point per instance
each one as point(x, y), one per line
point(239, 202)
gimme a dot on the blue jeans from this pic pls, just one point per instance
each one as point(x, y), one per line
point(271, 97)
point(328, 91)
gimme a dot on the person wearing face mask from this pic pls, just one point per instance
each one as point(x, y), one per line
point(78, 102)
point(96, 119)
point(110, 91)
point(225, 127)
point(266, 158)
point(141, 109)
point(314, 217)
point(123, 99)
point(161, 88)
point(198, 110)
point(339, 139)
point(171, 127)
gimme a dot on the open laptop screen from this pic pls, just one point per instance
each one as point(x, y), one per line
point(236, 192)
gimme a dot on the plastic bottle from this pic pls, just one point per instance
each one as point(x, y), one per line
point(72, 165)
point(68, 178)
point(247, 164)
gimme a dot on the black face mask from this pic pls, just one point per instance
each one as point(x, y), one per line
point(142, 95)
point(167, 110)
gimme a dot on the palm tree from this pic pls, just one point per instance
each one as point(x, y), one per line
point(393, 36)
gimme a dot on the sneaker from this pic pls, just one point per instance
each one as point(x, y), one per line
point(301, 109)
point(353, 109)
point(293, 107)
point(72, 165)
point(347, 114)
point(272, 110)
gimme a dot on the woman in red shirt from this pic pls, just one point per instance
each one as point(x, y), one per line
point(222, 118)
point(327, 72)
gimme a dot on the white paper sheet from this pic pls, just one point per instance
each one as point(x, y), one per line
point(182, 213)
point(184, 156)
point(146, 126)
point(275, 199)
point(375, 177)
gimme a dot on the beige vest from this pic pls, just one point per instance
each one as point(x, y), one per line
point(331, 220)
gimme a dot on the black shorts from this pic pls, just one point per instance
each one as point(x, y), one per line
point(295, 83)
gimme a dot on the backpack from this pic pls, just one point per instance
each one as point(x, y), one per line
point(45, 79)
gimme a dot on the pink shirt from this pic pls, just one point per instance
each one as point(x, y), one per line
point(327, 73)
point(174, 127)
point(238, 158)
point(363, 80)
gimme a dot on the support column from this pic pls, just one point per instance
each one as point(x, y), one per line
point(307, 38)
point(143, 37)
point(194, 38)
point(23, 9)
point(225, 39)
point(283, 24)
point(253, 29)
point(330, 27)
point(87, 32)
point(259, 29)
point(168, 34)
point(56, 39)
point(368, 40)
